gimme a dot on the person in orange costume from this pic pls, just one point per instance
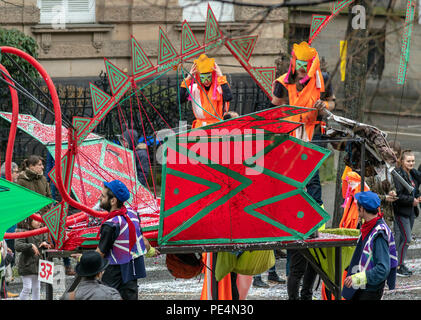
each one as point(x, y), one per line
point(208, 90)
point(351, 184)
point(304, 86)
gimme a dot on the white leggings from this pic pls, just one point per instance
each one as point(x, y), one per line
point(30, 282)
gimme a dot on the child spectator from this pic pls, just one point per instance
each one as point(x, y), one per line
point(30, 248)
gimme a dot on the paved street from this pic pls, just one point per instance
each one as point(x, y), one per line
point(161, 285)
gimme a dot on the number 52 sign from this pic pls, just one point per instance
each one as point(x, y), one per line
point(46, 271)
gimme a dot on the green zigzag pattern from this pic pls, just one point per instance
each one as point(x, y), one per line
point(140, 60)
point(166, 51)
point(212, 31)
point(245, 182)
point(117, 78)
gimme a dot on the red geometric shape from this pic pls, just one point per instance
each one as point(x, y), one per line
point(140, 60)
point(244, 46)
point(116, 77)
point(166, 50)
point(212, 31)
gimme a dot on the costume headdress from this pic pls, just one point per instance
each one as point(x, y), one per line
point(304, 52)
point(204, 64)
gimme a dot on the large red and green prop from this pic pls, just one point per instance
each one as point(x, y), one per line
point(319, 21)
point(239, 188)
point(69, 145)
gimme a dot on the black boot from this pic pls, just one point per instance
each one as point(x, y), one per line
point(259, 283)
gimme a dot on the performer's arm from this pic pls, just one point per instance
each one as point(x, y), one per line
point(279, 94)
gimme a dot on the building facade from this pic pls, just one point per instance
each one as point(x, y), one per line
point(75, 35)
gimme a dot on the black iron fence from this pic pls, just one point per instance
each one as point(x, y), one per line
point(155, 106)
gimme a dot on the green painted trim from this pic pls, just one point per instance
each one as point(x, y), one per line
point(90, 242)
point(174, 141)
point(213, 187)
point(163, 182)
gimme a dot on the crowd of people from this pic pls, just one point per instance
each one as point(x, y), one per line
point(111, 272)
point(121, 267)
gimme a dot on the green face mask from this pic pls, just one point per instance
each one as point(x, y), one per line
point(300, 64)
point(205, 76)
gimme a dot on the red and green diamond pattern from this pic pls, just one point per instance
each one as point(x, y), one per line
point(238, 189)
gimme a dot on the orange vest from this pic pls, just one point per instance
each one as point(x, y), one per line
point(304, 98)
point(206, 109)
point(351, 182)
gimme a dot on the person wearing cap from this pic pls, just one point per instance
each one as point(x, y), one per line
point(374, 261)
point(129, 139)
point(121, 241)
point(91, 268)
point(208, 90)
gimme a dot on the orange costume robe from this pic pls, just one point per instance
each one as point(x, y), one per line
point(208, 107)
point(308, 96)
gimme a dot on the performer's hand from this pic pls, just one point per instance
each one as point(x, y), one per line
point(320, 105)
point(76, 256)
point(218, 70)
point(348, 282)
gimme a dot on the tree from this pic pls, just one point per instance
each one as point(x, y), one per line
point(17, 39)
point(354, 89)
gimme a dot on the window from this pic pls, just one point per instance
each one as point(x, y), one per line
point(66, 11)
point(297, 33)
point(376, 50)
point(196, 10)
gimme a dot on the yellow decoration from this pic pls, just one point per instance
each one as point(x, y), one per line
point(204, 64)
point(343, 47)
point(303, 51)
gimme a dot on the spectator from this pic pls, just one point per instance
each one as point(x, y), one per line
point(91, 268)
point(384, 187)
point(405, 208)
point(10, 242)
point(30, 254)
point(6, 257)
point(374, 260)
point(15, 171)
point(129, 139)
point(121, 242)
point(32, 177)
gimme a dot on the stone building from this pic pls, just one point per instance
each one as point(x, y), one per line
point(385, 31)
point(75, 35)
